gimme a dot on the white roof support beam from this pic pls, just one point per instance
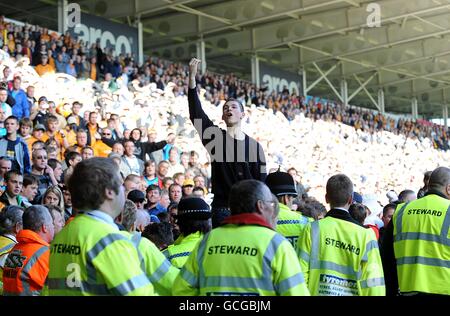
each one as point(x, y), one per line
point(414, 108)
point(404, 22)
point(384, 45)
point(120, 9)
point(408, 101)
point(344, 91)
point(429, 23)
point(361, 87)
point(383, 21)
point(353, 3)
point(426, 77)
point(185, 9)
point(430, 90)
point(322, 76)
point(308, 37)
point(290, 12)
point(365, 68)
point(412, 34)
point(266, 38)
point(406, 62)
point(147, 7)
point(368, 64)
point(381, 100)
point(445, 114)
point(367, 92)
point(329, 83)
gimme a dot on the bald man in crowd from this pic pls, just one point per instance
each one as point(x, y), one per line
point(416, 247)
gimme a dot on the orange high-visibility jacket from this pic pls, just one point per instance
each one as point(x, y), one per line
point(27, 265)
point(6, 245)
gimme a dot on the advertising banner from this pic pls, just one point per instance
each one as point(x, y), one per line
point(120, 37)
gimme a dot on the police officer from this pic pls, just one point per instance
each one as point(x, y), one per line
point(194, 221)
point(244, 256)
point(289, 223)
point(416, 247)
point(338, 256)
point(89, 256)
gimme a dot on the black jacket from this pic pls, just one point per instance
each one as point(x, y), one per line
point(10, 100)
point(4, 200)
point(143, 148)
point(109, 141)
point(82, 121)
point(89, 136)
point(226, 167)
point(343, 215)
point(68, 212)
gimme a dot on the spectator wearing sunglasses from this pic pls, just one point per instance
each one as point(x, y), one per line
point(108, 136)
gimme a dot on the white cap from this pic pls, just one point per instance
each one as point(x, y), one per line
point(392, 196)
point(373, 220)
point(371, 201)
point(71, 120)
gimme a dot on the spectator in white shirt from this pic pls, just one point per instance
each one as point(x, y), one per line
point(3, 102)
point(130, 164)
point(174, 165)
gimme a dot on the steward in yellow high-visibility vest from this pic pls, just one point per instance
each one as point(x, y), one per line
point(290, 223)
point(194, 220)
point(243, 256)
point(90, 256)
point(338, 256)
point(157, 268)
point(416, 244)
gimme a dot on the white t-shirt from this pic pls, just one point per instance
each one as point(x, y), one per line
point(175, 169)
point(132, 166)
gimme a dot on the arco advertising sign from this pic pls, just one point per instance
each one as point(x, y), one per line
point(123, 39)
point(275, 79)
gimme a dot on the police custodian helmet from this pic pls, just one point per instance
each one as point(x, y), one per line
point(281, 183)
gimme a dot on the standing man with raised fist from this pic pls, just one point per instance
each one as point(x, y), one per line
point(234, 155)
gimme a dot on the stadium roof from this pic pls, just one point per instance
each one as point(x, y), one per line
point(408, 55)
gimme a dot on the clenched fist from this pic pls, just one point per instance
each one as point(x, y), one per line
point(193, 67)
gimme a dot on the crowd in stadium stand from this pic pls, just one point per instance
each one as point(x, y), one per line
point(219, 87)
point(64, 54)
point(138, 116)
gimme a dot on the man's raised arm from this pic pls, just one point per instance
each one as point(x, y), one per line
point(198, 117)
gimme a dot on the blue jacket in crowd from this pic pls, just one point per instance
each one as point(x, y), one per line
point(21, 109)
